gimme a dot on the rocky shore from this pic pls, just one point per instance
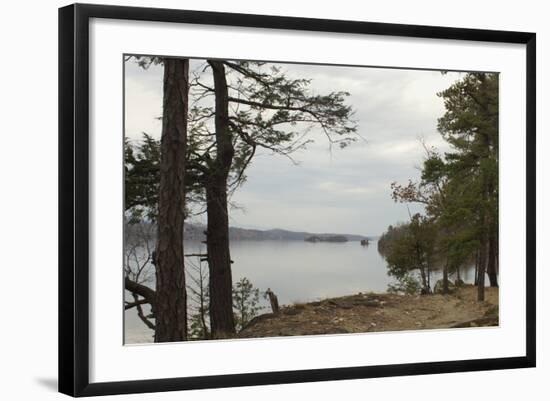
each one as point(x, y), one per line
point(370, 312)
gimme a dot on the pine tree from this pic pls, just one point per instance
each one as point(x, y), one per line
point(470, 126)
point(256, 106)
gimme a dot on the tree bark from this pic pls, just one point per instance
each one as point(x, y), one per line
point(492, 262)
point(492, 239)
point(476, 268)
point(425, 280)
point(482, 266)
point(445, 278)
point(171, 295)
point(483, 240)
point(222, 323)
point(487, 251)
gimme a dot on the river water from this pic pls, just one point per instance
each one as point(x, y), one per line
point(297, 271)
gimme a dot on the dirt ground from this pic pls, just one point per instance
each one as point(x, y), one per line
point(379, 312)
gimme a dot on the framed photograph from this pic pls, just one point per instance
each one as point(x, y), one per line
point(251, 199)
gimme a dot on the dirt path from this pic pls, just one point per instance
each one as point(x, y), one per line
point(379, 312)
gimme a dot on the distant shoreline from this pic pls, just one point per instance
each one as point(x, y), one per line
point(194, 231)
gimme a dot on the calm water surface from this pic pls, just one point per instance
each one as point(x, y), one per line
point(297, 271)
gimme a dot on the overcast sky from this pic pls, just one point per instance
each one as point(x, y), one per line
point(343, 191)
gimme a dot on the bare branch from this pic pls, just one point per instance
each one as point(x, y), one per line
point(130, 305)
point(140, 289)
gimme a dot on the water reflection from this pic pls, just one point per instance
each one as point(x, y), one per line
point(299, 271)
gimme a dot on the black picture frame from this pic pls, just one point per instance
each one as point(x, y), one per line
point(74, 198)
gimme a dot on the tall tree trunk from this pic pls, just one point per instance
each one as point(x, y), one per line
point(425, 283)
point(425, 280)
point(481, 271)
point(484, 241)
point(171, 295)
point(492, 238)
point(429, 274)
point(487, 252)
point(446, 278)
point(203, 304)
point(497, 265)
point(492, 261)
point(476, 268)
point(217, 237)
point(482, 268)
